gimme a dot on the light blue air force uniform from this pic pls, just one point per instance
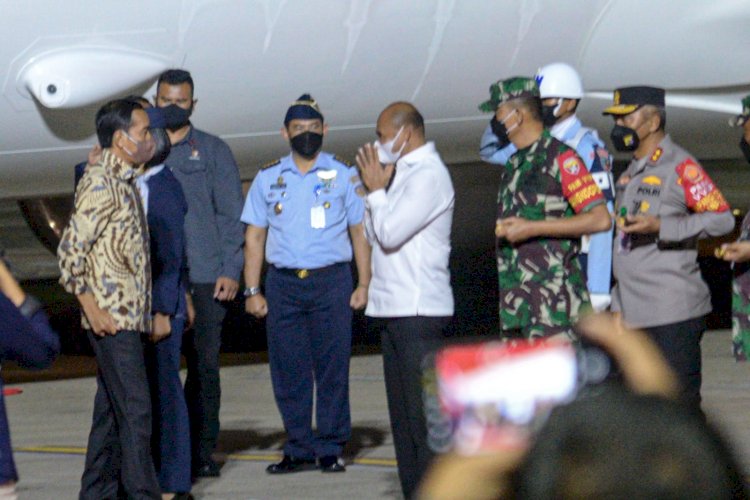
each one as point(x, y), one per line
point(596, 255)
point(307, 216)
point(309, 319)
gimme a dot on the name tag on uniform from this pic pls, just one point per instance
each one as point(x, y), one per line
point(318, 217)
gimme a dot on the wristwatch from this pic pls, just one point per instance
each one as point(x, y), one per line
point(251, 291)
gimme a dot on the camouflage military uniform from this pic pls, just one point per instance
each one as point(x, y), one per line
point(741, 281)
point(741, 301)
point(542, 287)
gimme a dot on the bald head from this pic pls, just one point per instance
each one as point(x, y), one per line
point(402, 119)
point(403, 114)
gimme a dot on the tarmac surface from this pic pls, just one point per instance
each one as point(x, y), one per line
point(50, 422)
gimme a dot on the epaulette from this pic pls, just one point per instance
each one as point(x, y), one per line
point(271, 164)
point(341, 160)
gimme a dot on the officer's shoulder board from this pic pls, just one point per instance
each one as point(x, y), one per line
point(343, 161)
point(271, 164)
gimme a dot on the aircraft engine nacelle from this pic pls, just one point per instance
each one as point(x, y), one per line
point(79, 76)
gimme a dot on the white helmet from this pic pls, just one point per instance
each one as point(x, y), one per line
point(559, 80)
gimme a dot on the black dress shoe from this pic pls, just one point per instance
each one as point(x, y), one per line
point(290, 464)
point(208, 469)
point(331, 463)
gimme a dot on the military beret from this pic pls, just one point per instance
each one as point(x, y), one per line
point(506, 90)
point(304, 108)
point(628, 99)
point(739, 120)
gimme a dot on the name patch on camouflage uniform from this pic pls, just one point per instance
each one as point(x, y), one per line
point(701, 194)
point(579, 187)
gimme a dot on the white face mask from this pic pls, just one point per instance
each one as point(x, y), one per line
point(386, 155)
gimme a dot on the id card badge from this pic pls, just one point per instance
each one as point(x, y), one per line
point(318, 217)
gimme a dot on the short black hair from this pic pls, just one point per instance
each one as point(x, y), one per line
point(176, 77)
point(531, 104)
point(163, 147)
point(113, 116)
point(139, 99)
point(619, 445)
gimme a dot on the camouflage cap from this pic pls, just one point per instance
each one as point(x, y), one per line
point(739, 120)
point(506, 90)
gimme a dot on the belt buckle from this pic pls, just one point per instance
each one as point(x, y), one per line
point(302, 273)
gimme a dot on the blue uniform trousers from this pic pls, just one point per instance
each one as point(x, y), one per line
point(170, 439)
point(309, 329)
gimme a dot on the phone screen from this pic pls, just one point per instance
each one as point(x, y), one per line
point(495, 393)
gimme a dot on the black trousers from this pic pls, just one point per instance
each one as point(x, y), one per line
point(119, 447)
point(202, 386)
point(406, 342)
point(680, 343)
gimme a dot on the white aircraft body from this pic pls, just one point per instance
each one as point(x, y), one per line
point(251, 58)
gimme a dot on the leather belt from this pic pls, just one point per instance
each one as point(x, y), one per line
point(302, 273)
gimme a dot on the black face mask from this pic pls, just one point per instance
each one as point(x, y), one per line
point(548, 115)
point(624, 138)
point(176, 116)
point(745, 148)
point(307, 144)
point(500, 131)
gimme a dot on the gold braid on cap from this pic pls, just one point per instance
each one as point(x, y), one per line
point(312, 103)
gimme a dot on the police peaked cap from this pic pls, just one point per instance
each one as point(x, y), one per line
point(628, 99)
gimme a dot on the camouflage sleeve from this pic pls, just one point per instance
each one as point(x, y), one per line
point(579, 188)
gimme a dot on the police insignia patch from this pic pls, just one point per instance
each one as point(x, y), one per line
point(572, 166)
point(360, 191)
point(657, 154)
point(692, 173)
point(652, 180)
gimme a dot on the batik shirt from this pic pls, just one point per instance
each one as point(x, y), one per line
point(105, 247)
point(542, 288)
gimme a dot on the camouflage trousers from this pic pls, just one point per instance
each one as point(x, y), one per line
point(740, 319)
